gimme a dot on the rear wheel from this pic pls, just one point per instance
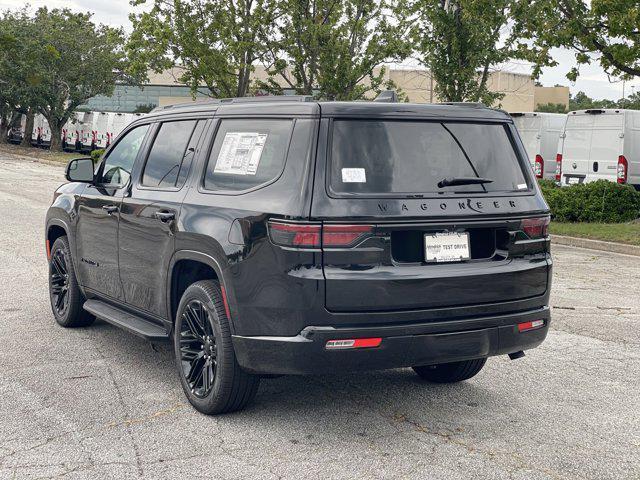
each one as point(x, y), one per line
point(209, 373)
point(64, 292)
point(451, 372)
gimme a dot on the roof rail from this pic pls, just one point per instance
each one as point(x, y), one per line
point(465, 104)
point(238, 100)
point(390, 96)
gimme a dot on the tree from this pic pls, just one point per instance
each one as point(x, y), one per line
point(214, 43)
point(58, 60)
point(581, 101)
point(334, 49)
point(462, 41)
point(552, 108)
point(608, 28)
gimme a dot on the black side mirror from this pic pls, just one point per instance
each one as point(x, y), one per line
point(80, 170)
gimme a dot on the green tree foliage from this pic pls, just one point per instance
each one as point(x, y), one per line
point(462, 41)
point(215, 43)
point(61, 59)
point(334, 48)
point(608, 28)
point(552, 108)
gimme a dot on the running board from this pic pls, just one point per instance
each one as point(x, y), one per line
point(127, 321)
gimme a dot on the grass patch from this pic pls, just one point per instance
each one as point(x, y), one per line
point(40, 153)
point(611, 232)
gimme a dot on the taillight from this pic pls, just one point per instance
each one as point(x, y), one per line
point(623, 169)
point(538, 167)
point(314, 236)
point(344, 235)
point(295, 235)
point(535, 227)
point(558, 167)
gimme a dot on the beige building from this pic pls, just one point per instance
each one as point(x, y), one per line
point(520, 93)
point(544, 95)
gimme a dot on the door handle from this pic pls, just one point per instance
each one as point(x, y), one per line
point(110, 209)
point(165, 216)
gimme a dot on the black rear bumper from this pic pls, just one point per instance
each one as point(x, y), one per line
point(402, 345)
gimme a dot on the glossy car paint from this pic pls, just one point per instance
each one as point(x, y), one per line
point(281, 299)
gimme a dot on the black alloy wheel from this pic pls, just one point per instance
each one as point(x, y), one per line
point(198, 349)
point(59, 278)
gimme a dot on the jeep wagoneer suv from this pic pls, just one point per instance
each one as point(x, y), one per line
point(288, 236)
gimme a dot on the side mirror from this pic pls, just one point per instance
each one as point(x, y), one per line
point(80, 170)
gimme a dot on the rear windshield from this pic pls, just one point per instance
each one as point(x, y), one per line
point(388, 157)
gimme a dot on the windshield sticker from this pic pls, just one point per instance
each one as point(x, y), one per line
point(353, 175)
point(522, 186)
point(240, 153)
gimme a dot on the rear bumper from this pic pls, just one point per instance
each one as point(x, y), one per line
point(403, 345)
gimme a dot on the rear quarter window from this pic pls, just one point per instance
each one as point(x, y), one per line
point(388, 157)
point(247, 153)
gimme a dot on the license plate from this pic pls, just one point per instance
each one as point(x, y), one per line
point(573, 180)
point(446, 247)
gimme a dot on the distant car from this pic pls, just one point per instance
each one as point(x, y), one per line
point(600, 144)
point(285, 236)
point(540, 132)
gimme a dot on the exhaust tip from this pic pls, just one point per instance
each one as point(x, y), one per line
point(516, 355)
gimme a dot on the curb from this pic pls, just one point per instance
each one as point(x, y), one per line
point(596, 245)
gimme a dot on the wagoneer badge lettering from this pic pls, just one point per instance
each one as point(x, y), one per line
point(468, 204)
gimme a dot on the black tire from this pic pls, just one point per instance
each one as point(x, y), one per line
point(64, 293)
point(451, 372)
point(202, 343)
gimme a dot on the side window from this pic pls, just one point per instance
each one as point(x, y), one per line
point(247, 153)
point(171, 154)
point(118, 165)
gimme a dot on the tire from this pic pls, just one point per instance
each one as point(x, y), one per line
point(211, 378)
point(451, 372)
point(64, 293)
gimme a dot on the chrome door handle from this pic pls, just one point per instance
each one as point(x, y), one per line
point(165, 216)
point(110, 209)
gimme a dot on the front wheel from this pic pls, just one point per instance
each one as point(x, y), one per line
point(209, 373)
point(451, 372)
point(64, 292)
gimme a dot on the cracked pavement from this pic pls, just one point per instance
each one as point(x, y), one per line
point(100, 403)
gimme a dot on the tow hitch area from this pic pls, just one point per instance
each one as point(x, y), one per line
point(516, 355)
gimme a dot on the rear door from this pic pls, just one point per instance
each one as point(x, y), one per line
point(395, 240)
point(576, 152)
point(149, 215)
point(529, 129)
point(606, 146)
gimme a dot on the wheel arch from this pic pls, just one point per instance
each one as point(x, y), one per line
point(56, 228)
point(187, 267)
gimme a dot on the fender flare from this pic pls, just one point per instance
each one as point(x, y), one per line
point(197, 256)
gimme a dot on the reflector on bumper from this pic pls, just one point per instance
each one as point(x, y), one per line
point(353, 343)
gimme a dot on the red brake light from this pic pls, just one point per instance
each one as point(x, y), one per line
point(538, 167)
point(532, 325)
point(558, 167)
point(295, 235)
point(344, 235)
point(623, 169)
point(299, 235)
point(535, 227)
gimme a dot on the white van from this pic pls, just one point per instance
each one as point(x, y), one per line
point(100, 128)
point(41, 135)
point(87, 136)
point(540, 133)
point(118, 121)
point(600, 144)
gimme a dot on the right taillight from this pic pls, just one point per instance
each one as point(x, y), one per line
point(623, 169)
point(315, 236)
point(538, 166)
point(535, 228)
point(558, 167)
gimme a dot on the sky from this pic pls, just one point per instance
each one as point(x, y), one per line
point(593, 81)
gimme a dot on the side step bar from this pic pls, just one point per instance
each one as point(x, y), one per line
point(127, 321)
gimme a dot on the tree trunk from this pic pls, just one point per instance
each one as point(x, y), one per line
point(4, 128)
point(28, 130)
point(56, 133)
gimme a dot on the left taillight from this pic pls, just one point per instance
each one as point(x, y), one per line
point(623, 169)
point(538, 167)
point(535, 227)
point(315, 236)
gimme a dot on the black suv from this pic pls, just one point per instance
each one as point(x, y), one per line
point(287, 236)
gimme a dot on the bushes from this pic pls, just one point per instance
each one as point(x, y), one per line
point(96, 155)
point(601, 201)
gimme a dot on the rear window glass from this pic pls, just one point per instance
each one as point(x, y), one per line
point(411, 157)
point(247, 153)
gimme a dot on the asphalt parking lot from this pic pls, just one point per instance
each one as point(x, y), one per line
point(99, 403)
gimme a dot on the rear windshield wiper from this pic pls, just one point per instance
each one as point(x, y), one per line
point(455, 181)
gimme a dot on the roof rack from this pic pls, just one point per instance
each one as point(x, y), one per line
point(465, 104)
point(238, 100)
